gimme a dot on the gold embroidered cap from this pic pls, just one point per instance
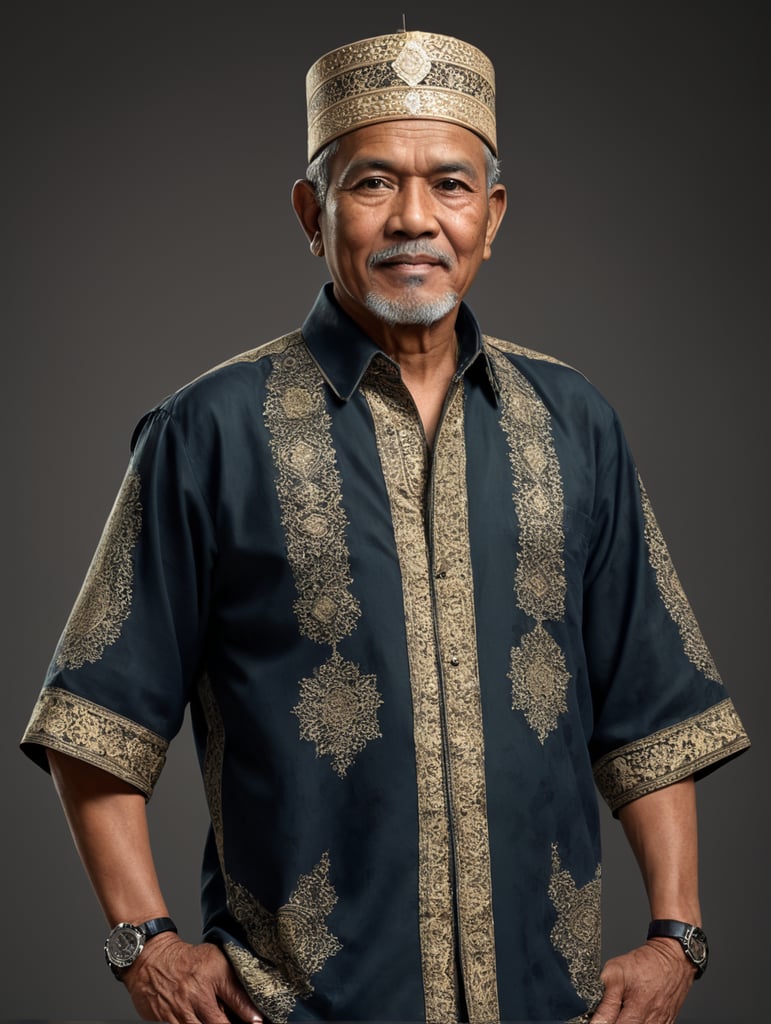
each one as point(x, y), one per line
point(399, 76)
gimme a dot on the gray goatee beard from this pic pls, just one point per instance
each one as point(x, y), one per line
point(410, 308)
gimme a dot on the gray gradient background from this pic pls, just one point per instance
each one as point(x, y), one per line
point(149, 150)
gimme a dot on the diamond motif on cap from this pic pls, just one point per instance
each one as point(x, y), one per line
point(413, 63)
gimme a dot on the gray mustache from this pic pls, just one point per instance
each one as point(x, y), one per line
point(411, 248)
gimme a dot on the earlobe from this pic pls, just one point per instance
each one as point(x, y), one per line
point(317, 244)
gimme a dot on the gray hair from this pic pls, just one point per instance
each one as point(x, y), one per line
point(318, 169)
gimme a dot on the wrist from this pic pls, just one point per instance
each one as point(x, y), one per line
point(126, 941)
point(691, 938)
point(673, 908)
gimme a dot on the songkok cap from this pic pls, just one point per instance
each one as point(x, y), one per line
point(400, 76)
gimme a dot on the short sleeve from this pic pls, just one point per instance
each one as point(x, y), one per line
point(120, 678)
point(661, 710)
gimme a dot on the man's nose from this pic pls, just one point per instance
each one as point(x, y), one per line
point(412, 211)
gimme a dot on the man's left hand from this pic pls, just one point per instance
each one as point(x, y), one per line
point(646, 986)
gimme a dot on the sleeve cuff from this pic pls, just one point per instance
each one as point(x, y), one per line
point(75, 726)
point(692, 747)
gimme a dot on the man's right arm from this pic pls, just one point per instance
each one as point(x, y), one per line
point(171, 980)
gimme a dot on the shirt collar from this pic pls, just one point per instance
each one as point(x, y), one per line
point(343, 352)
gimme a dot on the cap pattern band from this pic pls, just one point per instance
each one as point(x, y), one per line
point(393, 77)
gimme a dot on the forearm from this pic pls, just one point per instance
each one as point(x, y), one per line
point(662, 830)
point(108, 822)
point(171, 980)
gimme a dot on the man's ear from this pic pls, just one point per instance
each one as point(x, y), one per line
point(496, 208)
point(306, 207)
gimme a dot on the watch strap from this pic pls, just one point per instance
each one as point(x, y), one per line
point(156, 925)
point(684, 933)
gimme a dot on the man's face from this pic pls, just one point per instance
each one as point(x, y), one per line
point(408, 220)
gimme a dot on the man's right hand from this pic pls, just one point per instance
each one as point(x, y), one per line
point(179, 983)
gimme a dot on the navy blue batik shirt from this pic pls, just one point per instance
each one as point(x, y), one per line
point(410, 670)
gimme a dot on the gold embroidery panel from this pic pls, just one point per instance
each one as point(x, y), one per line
point(265, 986)
point(309, 492)
point(540, 582)
point(294, 943)
point(673, 595)
point(538, 672)
point(576, 934)
point(338, 706)
point(456, 623)
point(338, 711)
point(403, 460)
point(254, 355)
point(520, 350)
point(540, 679)
point(670, 755)
point(73, 725)
point(104, 601)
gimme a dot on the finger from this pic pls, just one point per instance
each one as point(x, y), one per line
point(606, 1013)
point(232, 996)
point(235, 1015)
point(613, 997)
point(241, 1010)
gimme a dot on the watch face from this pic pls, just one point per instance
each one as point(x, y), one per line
point(697, 946)
point(124, 944)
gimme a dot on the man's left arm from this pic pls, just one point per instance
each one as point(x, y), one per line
point(651, 982)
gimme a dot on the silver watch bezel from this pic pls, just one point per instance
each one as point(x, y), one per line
point(116, 958)
point(697, 934)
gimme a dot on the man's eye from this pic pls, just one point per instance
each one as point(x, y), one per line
point(372, 184)
point(451, 185)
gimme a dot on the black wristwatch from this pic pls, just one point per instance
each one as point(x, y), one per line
point(691, 938)
point(126, 941)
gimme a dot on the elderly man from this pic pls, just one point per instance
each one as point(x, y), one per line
point(409, 582)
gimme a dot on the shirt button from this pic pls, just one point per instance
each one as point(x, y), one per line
point(441, 574)
point(455, 661)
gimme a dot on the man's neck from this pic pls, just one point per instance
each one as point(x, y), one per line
point(427, 362)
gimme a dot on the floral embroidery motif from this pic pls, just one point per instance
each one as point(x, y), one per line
point(310, 495)
point(673, 595)
point(294, 943)
point(309, 491)
point(338, 711)
point(539, 681)
point(290, 945)
point(104, 601)
point(538, 673)
point(577, 931)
